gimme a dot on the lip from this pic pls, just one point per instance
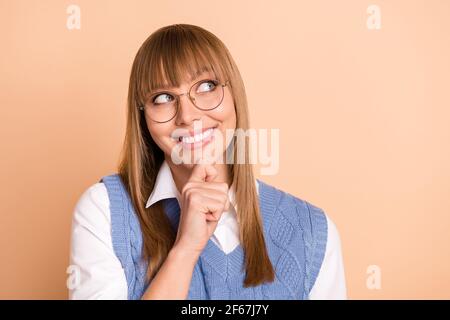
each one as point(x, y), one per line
point(201, 143)
point(192, 133)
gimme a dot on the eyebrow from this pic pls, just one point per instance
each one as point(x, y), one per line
point(196, 75)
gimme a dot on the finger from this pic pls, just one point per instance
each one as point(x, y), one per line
point(211, 174)
point(215, 215)
point(206, 186)
point(210, 217)
point(212, 209)
point(203, 172)
point(217, 195)
point(208, 164)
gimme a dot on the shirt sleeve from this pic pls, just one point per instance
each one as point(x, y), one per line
point(96, 271)
point(330, 282)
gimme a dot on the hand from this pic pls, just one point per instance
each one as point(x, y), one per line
point(202, 203)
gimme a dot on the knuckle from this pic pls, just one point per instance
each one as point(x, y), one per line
point(186, 187)
point(194, 197)
point(187, 194)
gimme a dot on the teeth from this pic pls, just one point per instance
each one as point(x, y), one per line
point(198, 137)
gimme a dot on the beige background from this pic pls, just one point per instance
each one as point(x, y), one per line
point(363, 118)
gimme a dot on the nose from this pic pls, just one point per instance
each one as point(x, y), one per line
point(187, 111)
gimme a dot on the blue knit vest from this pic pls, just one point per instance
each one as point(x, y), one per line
point(295, 233)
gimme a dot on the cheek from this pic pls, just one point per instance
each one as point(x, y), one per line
point(226, 112)
point(159, 134)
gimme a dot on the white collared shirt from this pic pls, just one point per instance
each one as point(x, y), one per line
point(101, 275)
point(226, 234)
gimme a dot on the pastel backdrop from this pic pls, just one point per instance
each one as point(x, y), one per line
point(362, 108)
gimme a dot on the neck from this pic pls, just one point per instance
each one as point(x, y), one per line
point(181, 173)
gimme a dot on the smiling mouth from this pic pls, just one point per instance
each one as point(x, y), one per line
point(198, 140)
point(190, 137)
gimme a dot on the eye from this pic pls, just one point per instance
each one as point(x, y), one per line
point(162, 98)
point(206, 86)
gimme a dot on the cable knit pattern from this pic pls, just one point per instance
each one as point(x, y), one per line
point(126, 236)
point(295, 233)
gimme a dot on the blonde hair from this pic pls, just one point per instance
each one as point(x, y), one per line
point(168, 57)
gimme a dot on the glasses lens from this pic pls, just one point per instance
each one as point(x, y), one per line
point(207, 94)
point(161, 107)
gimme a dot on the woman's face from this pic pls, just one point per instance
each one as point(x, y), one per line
point(190, 122)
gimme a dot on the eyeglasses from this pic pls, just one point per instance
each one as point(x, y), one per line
point(205, 94)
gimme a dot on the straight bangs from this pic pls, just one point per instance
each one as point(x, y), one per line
point(178, 56)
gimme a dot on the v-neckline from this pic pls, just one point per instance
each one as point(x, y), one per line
point(229, 264)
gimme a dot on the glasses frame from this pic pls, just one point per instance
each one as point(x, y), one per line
point(188, 93)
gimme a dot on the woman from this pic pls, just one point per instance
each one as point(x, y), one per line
point(175, 223)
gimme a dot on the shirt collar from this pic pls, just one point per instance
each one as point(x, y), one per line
point(165, 187)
